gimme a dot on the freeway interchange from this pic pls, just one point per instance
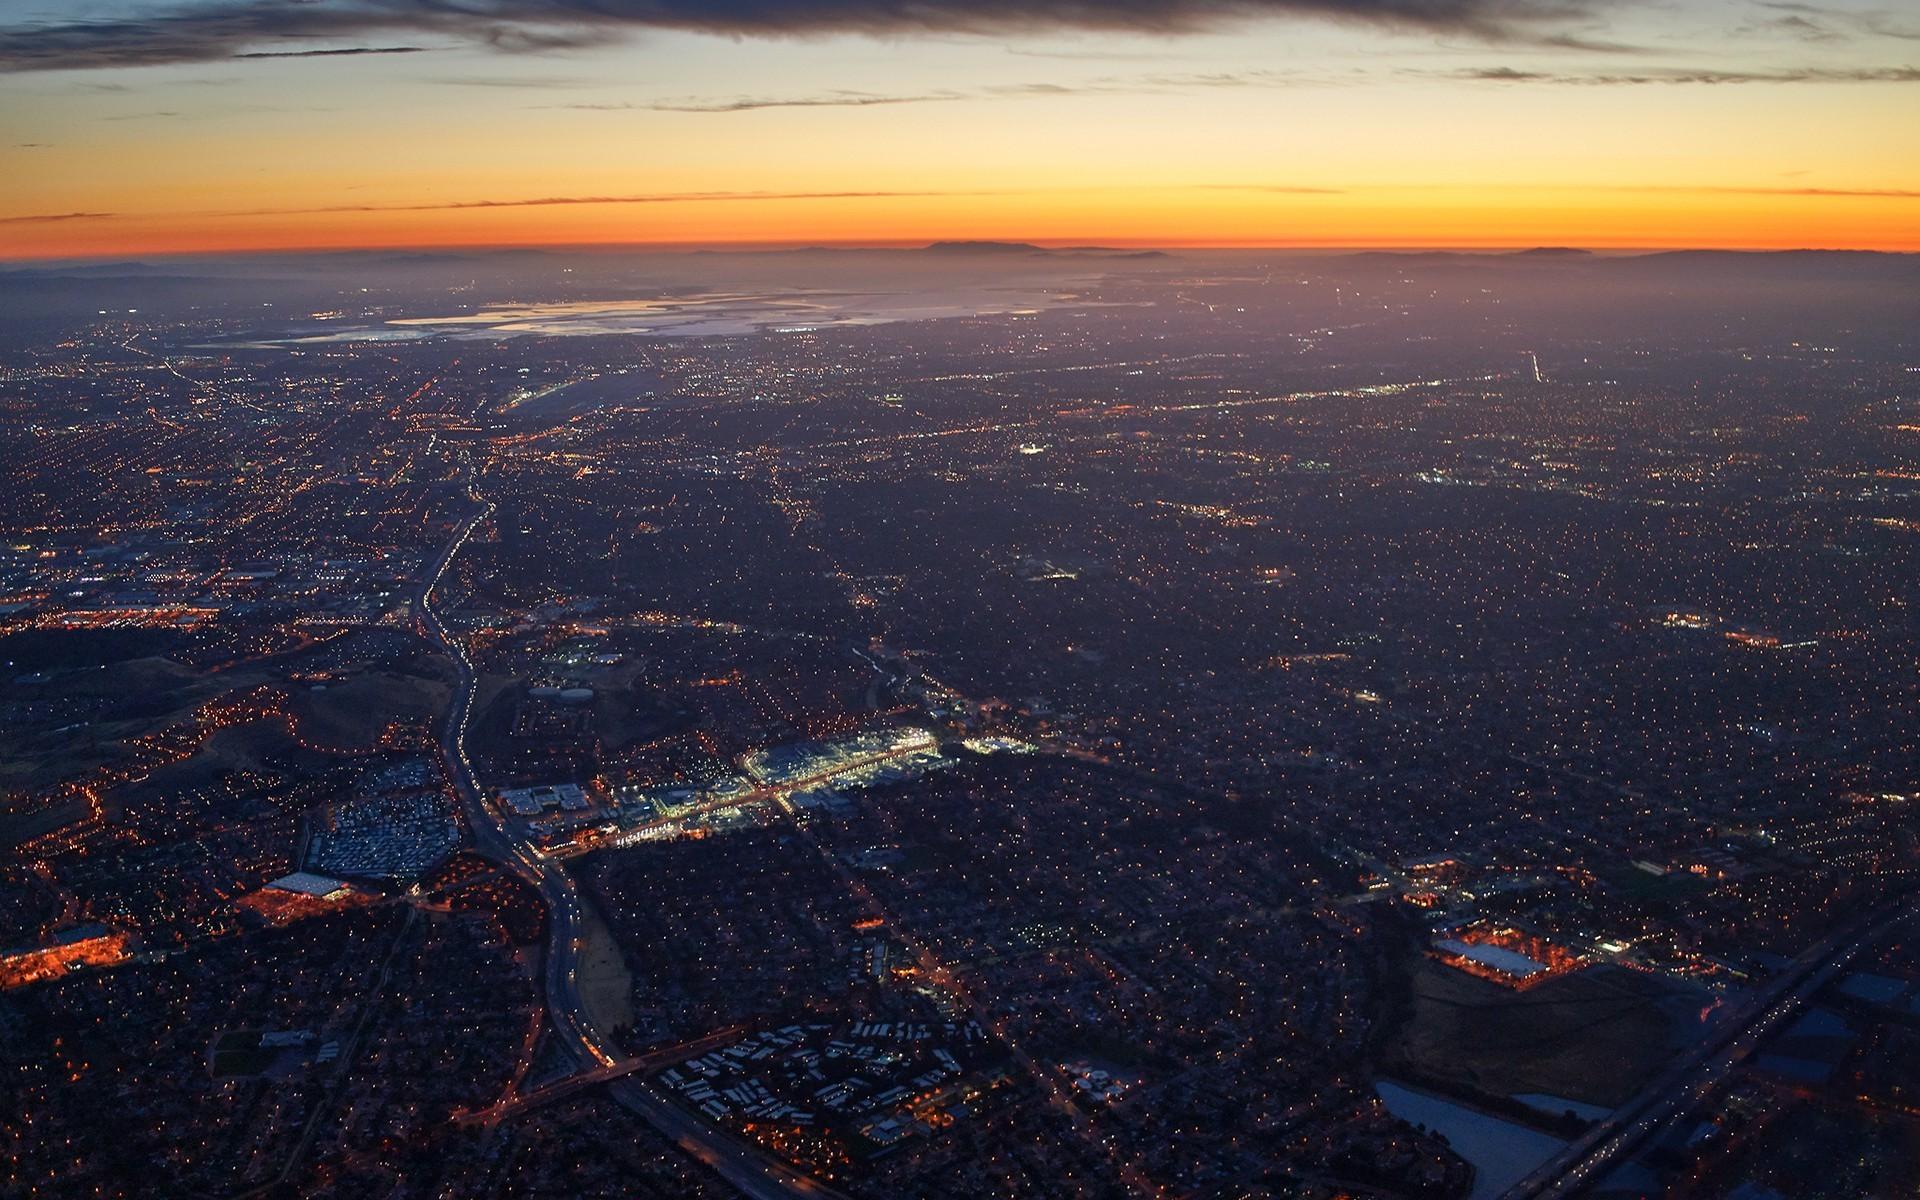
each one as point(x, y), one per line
point(1677, 1092)
point(746, 1168)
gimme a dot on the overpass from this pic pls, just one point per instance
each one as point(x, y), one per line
point(747, 1168)
point(509, 1107)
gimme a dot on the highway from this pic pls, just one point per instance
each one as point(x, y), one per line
point(745, 1167)
point(1683, 1086)
point(493, 838)
point(514, 1103)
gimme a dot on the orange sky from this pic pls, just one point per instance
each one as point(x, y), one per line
point(1404, 217)
point(1278, 133)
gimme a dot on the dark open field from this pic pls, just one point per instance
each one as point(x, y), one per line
point(1595, 1036)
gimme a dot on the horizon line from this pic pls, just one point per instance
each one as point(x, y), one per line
point(1050, 244)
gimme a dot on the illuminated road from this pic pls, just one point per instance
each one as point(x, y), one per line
point(1694, 1077)
point(493, 838)
point(746, 1168)
point(513, 1105)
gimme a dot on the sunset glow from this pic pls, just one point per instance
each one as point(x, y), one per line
point(1707, 124)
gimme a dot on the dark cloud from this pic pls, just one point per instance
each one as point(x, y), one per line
point(1587, 45)
point(564, 201)
point(1715, 189)
point(1502, 75)
point(337, 52)
point(1874, 22)
point(1109, 86)
point(1793, 25)
point(213, 30)
point(1682, 75)
point(50, 218)
point(534, 202)
point(1857, 193)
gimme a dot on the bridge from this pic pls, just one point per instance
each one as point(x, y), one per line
point(512, 1105)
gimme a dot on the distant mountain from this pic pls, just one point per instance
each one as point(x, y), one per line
point(984, 248)
point(113, 270)
point(1012, 249)
point(1662, 267)
point(1853, 258)
point(957, 249)
point(1112, 252)
point(1770, 266)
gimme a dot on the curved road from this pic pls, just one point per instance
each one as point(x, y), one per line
point(491, 835)
point(745, 1167)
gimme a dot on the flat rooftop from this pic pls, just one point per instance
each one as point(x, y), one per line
point(1507, 962)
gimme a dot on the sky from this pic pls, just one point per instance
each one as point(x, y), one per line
point(142, 127)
